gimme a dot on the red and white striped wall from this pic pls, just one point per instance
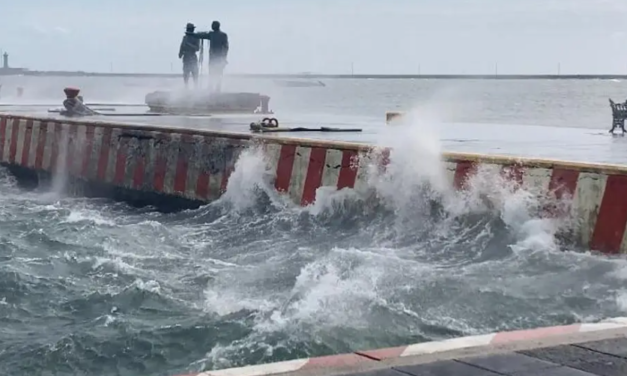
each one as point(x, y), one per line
point(192, 166)
point(197, 164)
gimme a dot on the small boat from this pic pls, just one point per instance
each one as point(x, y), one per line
point(299, 83)
point(203, 102)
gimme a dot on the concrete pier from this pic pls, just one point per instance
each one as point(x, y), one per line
point(175, 168)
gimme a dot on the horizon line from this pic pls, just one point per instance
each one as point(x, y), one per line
point(25, 72)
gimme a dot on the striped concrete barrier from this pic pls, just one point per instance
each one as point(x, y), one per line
point(158, 165)
point(369, 360)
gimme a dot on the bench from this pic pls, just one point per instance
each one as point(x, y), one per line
point(619, 115)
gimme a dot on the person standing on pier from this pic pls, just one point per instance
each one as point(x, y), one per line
point(218, 51)
point(190, 45)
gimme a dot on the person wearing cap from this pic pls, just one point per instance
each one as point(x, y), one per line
point(74, 105)
point(218, 51)
point(190, 45)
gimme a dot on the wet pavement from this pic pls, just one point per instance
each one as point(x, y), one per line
point(601, 358)
point(572, 144)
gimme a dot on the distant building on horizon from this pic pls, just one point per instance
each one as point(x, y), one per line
point(6, 70)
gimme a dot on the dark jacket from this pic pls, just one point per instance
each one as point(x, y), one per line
point(219, 43)
point(189, 46)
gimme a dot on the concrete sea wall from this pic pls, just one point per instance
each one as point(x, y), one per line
point(174, 168)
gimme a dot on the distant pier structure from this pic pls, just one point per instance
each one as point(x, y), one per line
point(7, 70)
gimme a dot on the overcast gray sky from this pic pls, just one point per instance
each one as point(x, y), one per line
point(324, 36)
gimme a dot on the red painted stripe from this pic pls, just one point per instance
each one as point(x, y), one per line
point(140, 171)
point(41, 145)
point(28, 134)
point(563, 182)
point(103, 157)
point(313, 180)
point(202, 182)
point(182, 163)
point(3, 132)
point(120, 162)
point(13, 147)
point(161, 163)
point(513, 173)
point(463, 170)
point(72, 149)
point(284, 168)
point(54, 154)
point(385, 353)
point(87, 150)
point(612, 218)
point(348, 169)
point(202, 185)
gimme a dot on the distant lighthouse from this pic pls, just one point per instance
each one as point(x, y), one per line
point(5, 61)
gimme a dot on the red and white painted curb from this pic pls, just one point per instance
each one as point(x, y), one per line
point(344, 361)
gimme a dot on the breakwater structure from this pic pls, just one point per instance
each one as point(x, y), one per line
point(174, 168)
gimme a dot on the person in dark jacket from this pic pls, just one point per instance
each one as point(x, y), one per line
point(190, 45)
point(218, 51)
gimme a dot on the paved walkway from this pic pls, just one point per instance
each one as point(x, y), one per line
point(572, 144)
point(573, 350)
point(602, 358)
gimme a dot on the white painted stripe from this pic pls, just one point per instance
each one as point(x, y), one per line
point(63, 149)
point(195, 153)
point(34, 141)
point(261, 369)
point(50, 137)
point(299, 173)
point(172, 147)
point(618, 320)
point(365, 171)
point(601, 326)
point(92, 164)
point(7, 141)
point(537, 180)
point(216, 148)
point(132, 156)
point(151, 160)
point(586, 203)
point(333, 165)
point(449, 169)
point(272, 153)
point(113, 154)
point(79, 144)
point(21, 135)
point(447, 345)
